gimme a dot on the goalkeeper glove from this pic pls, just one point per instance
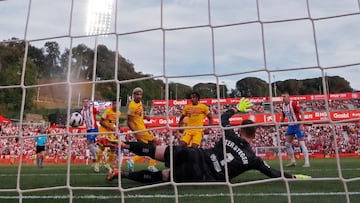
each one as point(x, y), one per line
point(244, 105)
point(301, 176)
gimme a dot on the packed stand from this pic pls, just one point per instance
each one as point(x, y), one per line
point(319, 139)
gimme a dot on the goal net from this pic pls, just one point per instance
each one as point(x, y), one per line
point(53, 54)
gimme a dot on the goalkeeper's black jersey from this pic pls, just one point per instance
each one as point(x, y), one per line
point(239, 155)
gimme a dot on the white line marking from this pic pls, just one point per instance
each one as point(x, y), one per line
point(180, 196)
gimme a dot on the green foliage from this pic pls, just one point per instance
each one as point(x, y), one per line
point(48, 62)
point(11, 60)
point(52, 56)
point(333, 84)
point(178, 91)
point(255, 87)
point(252, 87)
point(338, 84)
point(206, 90)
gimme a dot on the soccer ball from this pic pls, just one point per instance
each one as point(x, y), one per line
point(76, 119)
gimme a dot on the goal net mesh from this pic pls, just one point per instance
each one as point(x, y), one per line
point(174, 43)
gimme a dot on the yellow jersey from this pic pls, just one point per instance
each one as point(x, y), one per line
point(195, 114)
point(109, 117)
point(136, 115)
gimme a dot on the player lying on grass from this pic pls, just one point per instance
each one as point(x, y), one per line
point(201, 165)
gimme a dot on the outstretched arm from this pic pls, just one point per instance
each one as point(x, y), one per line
point(268, 171)
point(274, 173)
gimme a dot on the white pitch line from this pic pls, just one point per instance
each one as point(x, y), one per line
point(180, 196)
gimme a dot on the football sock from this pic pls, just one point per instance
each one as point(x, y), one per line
point(41, 161)
point(305, 151)
point(290, 151)
point(93, 150)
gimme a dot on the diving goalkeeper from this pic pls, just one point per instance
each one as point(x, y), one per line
point(202, 165)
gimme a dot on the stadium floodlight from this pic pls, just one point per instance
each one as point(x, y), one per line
point(99, 16)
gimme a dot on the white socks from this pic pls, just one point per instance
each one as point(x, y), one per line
point(93, 150)
point(304, 151)
point(290, 151)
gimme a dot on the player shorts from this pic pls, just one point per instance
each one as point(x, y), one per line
point(294, 130)
point(40, 149)
point(191, 136)
point(189, 164)
point(144, 137)
point(92, 134)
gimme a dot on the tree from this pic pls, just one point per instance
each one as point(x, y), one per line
point(105, 64)
point(252, 87)
point(48, 61)
point(82, 61)
point(334, 84)
point(338, 84)
point(11, 60)
point(52, 56)
point(206, 90)
point(178, 91)
point(37, 57)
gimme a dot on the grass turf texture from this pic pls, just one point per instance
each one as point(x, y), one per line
point(33, 181)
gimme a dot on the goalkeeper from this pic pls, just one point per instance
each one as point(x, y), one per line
point(201, 165)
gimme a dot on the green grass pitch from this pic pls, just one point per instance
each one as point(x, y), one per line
point(57, 183)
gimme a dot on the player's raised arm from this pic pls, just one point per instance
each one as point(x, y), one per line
point(243, 106)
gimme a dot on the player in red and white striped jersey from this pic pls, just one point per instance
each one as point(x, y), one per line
point(89, 112)
point(292, 110)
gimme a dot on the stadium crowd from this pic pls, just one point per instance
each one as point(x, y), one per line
point(56, 146)
point(319, 139)
point(260, 107)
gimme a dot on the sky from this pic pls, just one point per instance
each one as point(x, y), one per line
point(193, 41)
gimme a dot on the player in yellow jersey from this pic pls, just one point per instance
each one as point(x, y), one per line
point(195, 114)
point(135, 121)
point(108, 137)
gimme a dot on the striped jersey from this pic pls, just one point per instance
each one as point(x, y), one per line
point(291, 110)
point(89, 115)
